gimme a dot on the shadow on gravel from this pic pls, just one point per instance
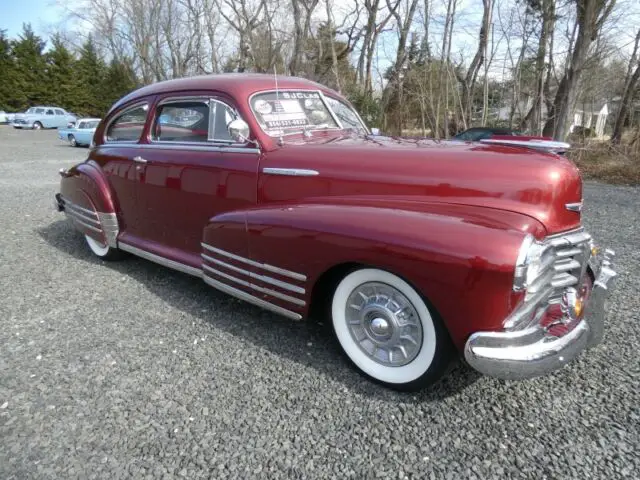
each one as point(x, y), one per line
point(309, 343)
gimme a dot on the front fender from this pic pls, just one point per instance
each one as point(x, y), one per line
point(461, 258)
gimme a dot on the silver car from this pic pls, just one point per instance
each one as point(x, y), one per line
point(43, 117)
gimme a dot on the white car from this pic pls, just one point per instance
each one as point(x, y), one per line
point(5, 117)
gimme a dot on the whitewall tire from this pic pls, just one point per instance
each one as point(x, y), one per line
point(387, 331)
point(102, 250)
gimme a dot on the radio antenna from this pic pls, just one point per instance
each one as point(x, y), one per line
point(275, 77)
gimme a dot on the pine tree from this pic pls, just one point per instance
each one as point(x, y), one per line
point(31, 85)
point(7, 74)
point(60, 60)
point(119, 80)
point(90, 70)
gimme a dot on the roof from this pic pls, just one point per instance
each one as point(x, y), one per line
point(236, 84)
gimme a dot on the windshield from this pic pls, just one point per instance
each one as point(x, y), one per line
point(291, 111)
point(347, 116)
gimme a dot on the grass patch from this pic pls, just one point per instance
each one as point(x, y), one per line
point(617, 164)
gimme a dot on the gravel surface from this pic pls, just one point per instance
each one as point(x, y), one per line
point(131, 370)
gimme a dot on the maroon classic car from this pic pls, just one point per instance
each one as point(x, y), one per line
point(418, 251)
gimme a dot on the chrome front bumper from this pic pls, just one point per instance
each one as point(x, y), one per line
point(521, 354)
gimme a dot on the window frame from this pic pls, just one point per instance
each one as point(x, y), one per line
point(62, 112)
point(119, 114)
point(211, 141)
point(350, 107)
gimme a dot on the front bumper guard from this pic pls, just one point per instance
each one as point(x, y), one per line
point(516, 355)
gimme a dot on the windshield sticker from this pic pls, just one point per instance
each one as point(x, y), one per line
point(286, 113)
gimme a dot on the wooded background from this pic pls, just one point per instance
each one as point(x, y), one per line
point(428, 67)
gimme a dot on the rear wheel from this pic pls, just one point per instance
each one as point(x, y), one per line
point(387, 330)
point(102, 250)
point(72, 141)
point(37, 125)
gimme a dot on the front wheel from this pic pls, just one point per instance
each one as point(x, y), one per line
point(37, 125)
point(72, 141)
point(387, 330)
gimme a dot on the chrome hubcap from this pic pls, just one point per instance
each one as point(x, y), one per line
point(384, 324)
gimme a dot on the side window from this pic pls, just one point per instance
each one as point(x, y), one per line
point(128, 126)
point(59, 112)
point(221, 116)
point(81, 125)
point(49, 112)
point(182, 121)
point(39, 111)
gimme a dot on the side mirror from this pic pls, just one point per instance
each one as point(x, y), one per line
point(375, 131)
point(238, 130)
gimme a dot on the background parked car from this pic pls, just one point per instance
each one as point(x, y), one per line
point(81, 133)
point(476, 134)
point(4, 117)
point(43, 117)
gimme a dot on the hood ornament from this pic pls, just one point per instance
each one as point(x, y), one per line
point(574, 207)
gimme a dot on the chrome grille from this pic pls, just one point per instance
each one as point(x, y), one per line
point(558, 262)
point(572, 252)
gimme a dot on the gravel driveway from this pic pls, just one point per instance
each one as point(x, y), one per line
point(131, 370)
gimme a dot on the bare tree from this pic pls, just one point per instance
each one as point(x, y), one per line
point(631, 82)
point(468, 81)
point(590, 18)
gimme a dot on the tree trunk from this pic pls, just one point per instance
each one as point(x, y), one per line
point(627, 97)
point(591, 14)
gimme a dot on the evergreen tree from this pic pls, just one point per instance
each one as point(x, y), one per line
point(64, 91)
point(7, 73)
point(90, 71)
point(119, 80)
point(31, 85)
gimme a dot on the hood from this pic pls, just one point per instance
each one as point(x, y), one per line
point(515, 179)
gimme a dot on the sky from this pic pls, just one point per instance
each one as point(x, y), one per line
point(40, 13)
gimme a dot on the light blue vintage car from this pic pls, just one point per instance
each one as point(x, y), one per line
point(81, 133)
point(43, 117)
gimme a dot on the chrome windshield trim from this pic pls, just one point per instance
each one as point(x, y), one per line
point(265, 266)
point(263, 278)
point(251, 299)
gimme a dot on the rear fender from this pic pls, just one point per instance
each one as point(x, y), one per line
point(461, 258)
point(86, 186)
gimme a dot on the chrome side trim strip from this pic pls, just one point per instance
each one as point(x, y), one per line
point(574, 207)
point(265, 266)
point(165, 262)
point(70, 204)
point(181, 146)
point(110, 227)
point(290, 172)
point(82, 216)
point(250, 285)
point(262, 278)
point(83, 224)
point(251, 299)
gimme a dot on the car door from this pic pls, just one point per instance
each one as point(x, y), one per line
point(193, 171)
point(116, 154)
point(49, 118)
point(60, 118)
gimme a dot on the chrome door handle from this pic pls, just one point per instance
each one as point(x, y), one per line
point(140, 160)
